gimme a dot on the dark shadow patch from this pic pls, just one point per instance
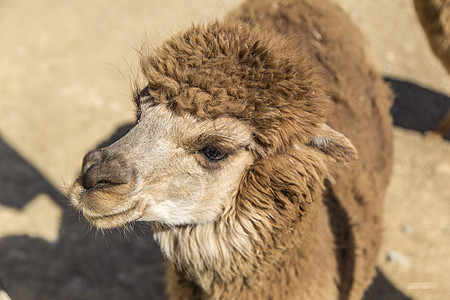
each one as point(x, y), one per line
point(344, 241)
point(19, 180)
point(418, 108)
point(382, 288)
point(81, 264)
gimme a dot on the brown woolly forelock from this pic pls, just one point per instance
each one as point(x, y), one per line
point(255, 76)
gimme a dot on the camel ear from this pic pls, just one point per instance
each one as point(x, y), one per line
point(334, 144)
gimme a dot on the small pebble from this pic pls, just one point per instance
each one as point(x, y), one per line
point(406, 229)
point(393, 256)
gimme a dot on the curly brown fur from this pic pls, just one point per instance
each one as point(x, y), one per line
point(248, 74)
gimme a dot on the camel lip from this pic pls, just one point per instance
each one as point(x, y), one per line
point(112, 215)
point(116, 219)
point(80, 198)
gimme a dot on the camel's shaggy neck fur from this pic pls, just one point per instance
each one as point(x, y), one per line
point(262, 238)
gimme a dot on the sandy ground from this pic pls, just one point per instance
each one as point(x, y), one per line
point(65, 74)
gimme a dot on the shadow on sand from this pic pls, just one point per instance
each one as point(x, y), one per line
point(80, 264)
point(84, 265)
point(417, 108)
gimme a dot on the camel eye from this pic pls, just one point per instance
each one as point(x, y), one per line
point(213, 154)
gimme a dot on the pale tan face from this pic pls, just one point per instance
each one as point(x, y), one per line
point(170, 169)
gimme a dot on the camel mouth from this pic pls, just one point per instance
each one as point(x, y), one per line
point(95, 205)
point(116, 219)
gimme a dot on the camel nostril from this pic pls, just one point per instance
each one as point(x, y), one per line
point(94, 179)
point(101, 170)
point(99, 184)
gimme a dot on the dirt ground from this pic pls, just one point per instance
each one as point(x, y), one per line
point(66, 69)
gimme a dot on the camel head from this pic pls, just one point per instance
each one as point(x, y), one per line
point(218, 100)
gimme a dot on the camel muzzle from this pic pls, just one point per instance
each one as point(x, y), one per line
point(102, 169)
